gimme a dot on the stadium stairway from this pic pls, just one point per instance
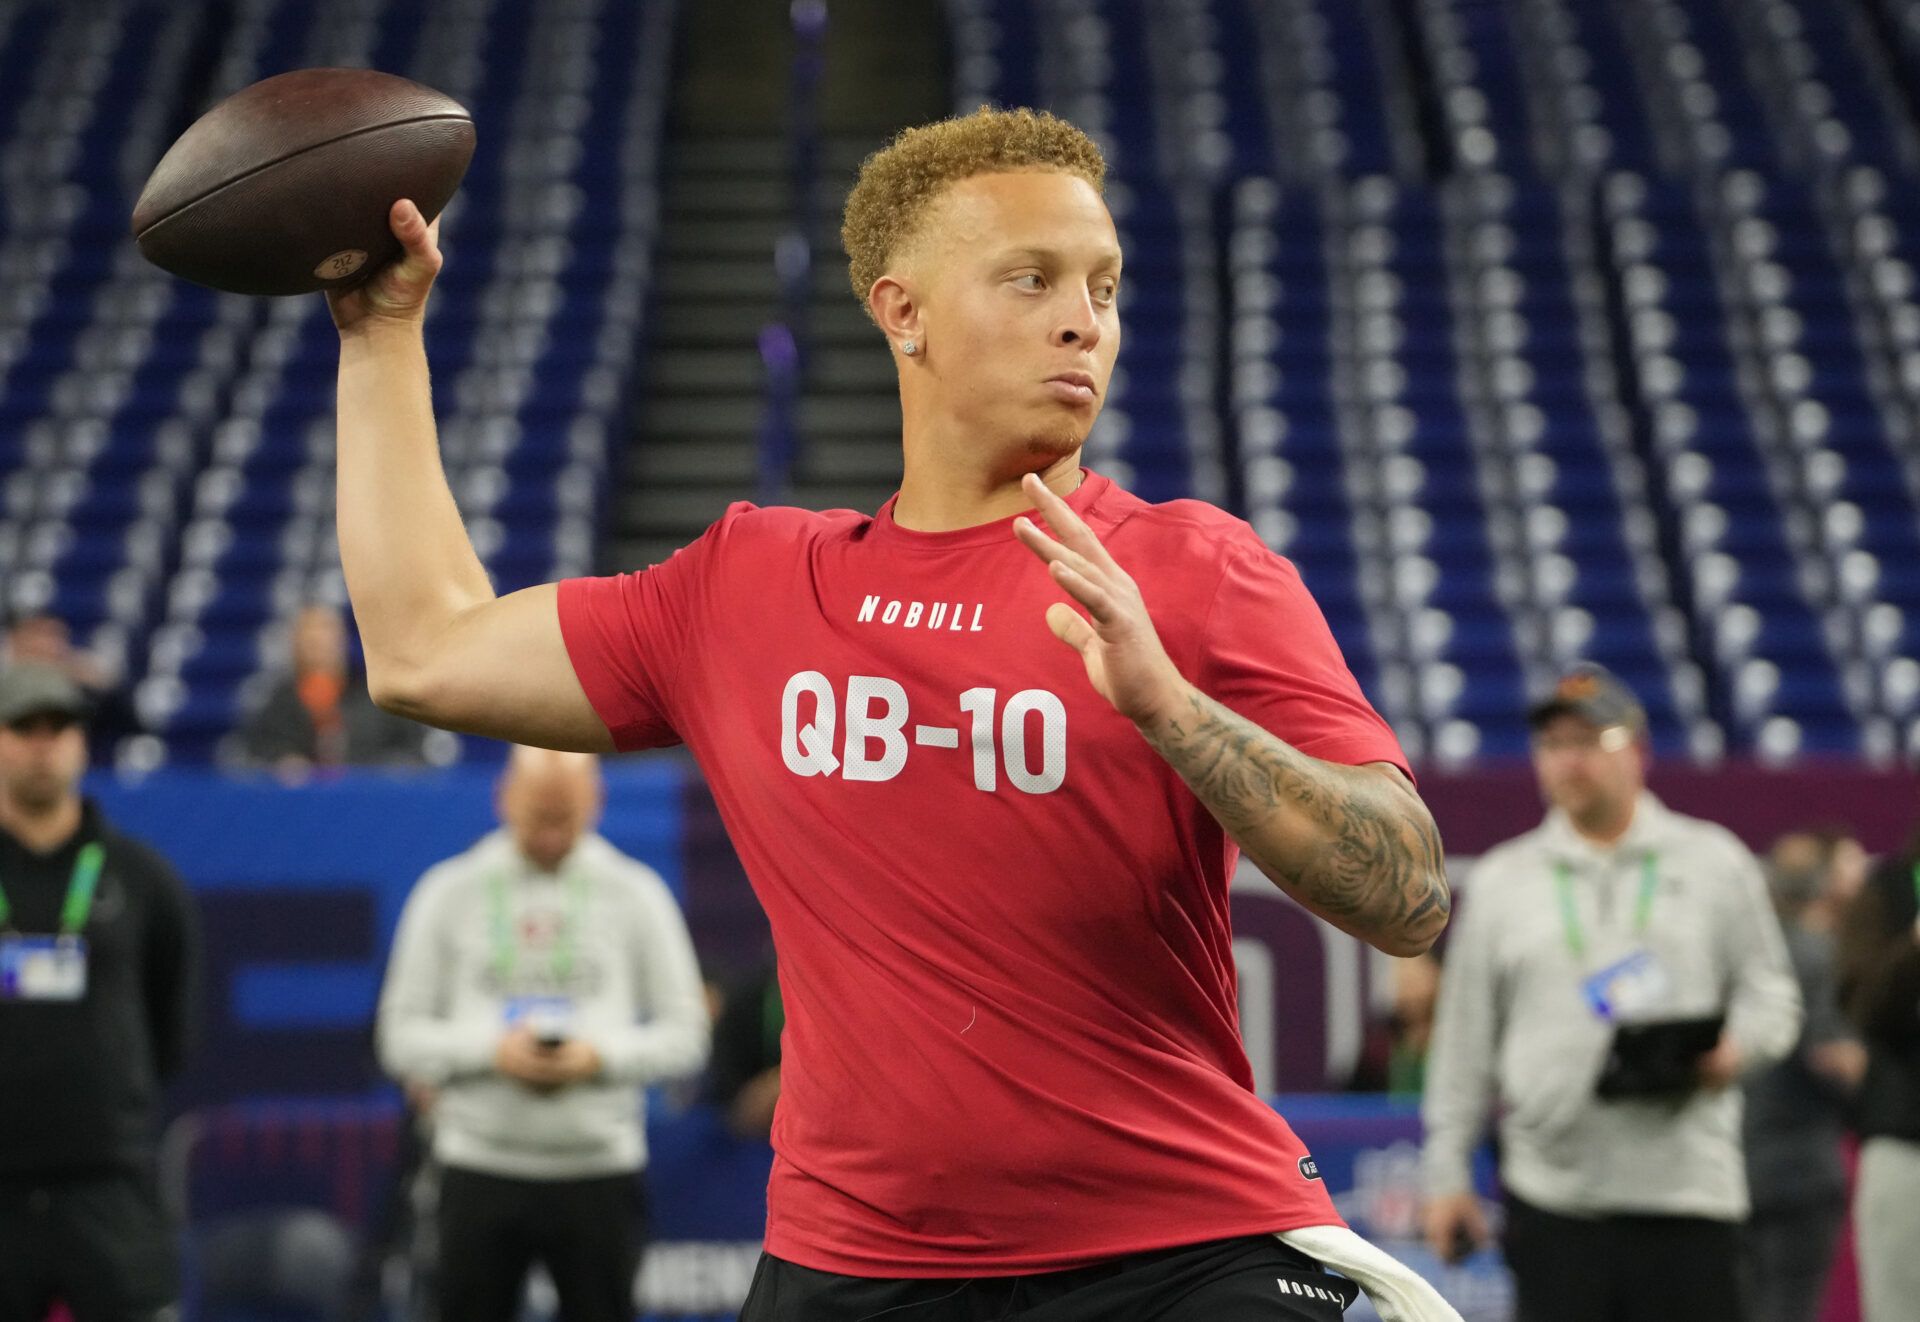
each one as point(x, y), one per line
point(727, 244)
point(727, 207)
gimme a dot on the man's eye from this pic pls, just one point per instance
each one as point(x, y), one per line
point(1106, 293)
point(1038, 281)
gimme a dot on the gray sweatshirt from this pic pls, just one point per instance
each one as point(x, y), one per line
point(1514, 1026)
point(598, 945)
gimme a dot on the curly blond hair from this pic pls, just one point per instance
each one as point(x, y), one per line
point(898, 182)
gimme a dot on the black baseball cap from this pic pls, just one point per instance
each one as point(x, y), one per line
point(37, 690)
point(1594, 694)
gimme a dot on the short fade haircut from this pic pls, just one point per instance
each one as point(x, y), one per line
point(898, 182)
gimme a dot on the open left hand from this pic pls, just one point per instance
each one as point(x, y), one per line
point(1121, 649)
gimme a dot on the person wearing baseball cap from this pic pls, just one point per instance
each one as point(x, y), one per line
point(1614, 972)
point(27, 691)
point(1594, 695)
point(98, 951)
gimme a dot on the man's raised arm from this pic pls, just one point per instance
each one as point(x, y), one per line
point(441, 647)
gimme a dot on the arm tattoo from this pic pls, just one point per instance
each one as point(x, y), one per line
point(1355, 846)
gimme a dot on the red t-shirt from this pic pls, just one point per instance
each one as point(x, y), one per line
point(1012, 1037)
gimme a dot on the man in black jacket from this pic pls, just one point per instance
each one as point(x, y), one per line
point(1880, 986)
point(97, 960)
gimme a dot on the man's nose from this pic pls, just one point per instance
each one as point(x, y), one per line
point(1079, 326)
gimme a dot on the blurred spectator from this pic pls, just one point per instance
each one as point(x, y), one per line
point(1880, 988)
point(46, 640)
point(539, 981)
point(320, 714)
point(97, 964)
point(1796, 1112)
point(1822, 870)
point(744, 1077)
point(1614, 911)
point(1394, 1057)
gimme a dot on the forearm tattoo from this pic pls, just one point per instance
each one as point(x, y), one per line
point(1348, 842)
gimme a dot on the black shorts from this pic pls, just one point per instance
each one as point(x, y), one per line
point(1251, 1279)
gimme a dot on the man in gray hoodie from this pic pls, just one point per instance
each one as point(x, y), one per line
point(538, 982)
point(1614, 911)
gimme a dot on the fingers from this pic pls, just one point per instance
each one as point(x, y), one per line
point(1098, 601)
point(541, 1070)
point(1067, 526)
point(1445, 1238)
point(1048, 549)
point(1079, 565)
point(404, 219)
point(420, 239)
point(1069, 626)
point(1466, 1233)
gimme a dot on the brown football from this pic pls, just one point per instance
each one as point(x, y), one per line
point(285, 186)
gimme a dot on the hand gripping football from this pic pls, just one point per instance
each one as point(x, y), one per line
point(285, 186)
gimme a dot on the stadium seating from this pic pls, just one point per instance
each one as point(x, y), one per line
point(169, 451)
point(1555, 329)
point(1550, 332)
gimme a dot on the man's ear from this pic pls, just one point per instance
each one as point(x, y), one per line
point(896, 311)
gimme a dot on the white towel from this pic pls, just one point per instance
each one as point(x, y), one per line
point(1399, 1293)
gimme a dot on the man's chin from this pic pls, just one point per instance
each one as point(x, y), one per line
point(1056, 444)
point(1582, 807)
point(36, 796)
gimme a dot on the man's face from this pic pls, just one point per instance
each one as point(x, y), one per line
point(319, 641)
point(1017, 277)
point(41, 760)
point(1847, 871)
point(547, 806)
point(1585, 770)
point(1798, 862)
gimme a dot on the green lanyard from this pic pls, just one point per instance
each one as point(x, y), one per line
point(80, 888)
point(1642, 909)
point(506, 951)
